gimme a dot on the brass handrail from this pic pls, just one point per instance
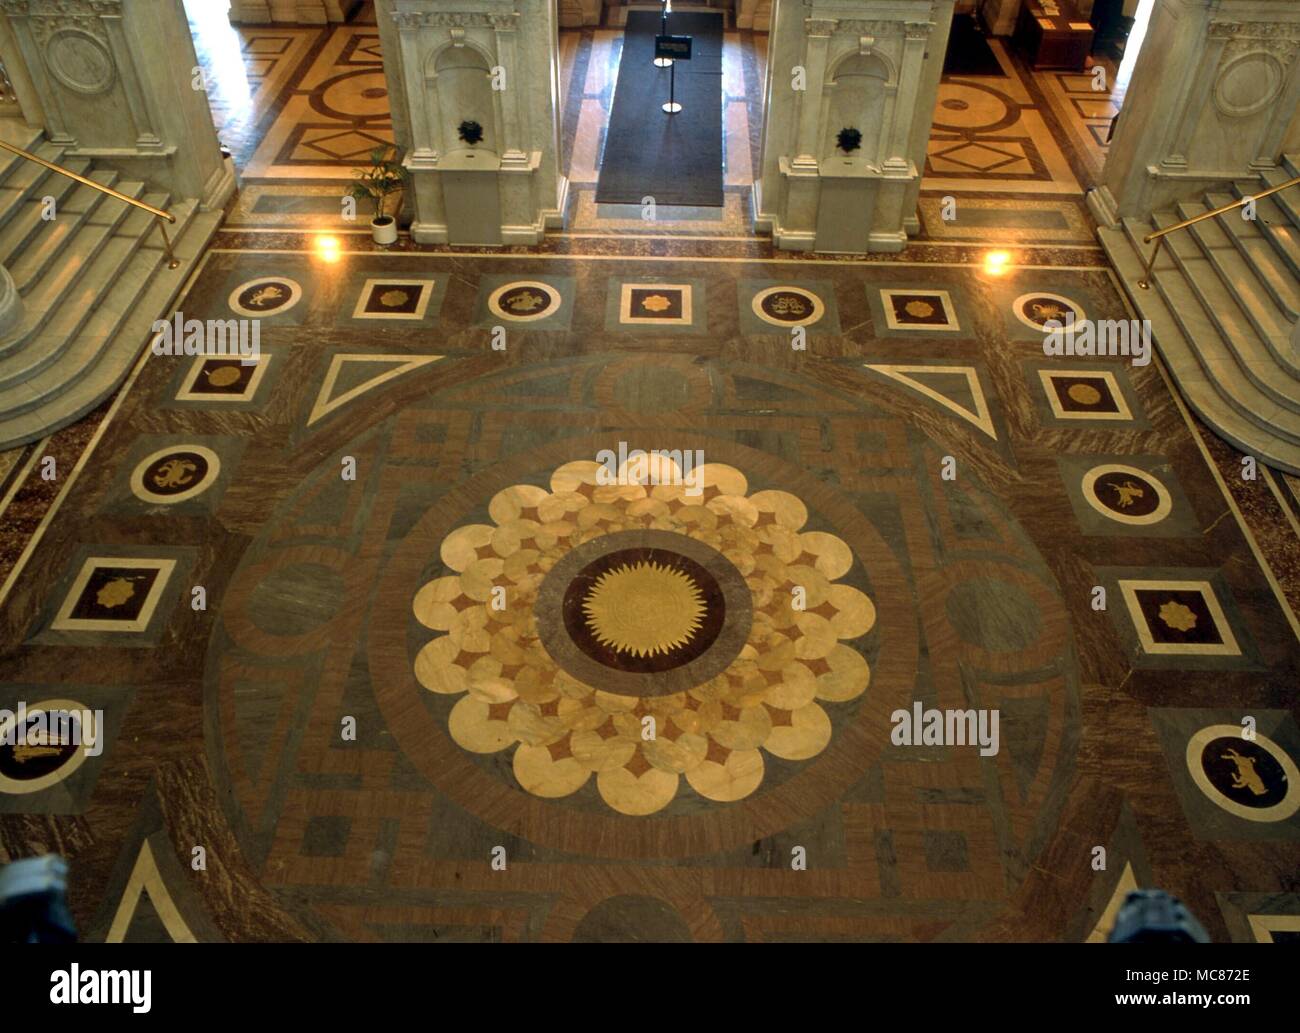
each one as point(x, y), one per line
point(172, 261)
point(1159, 235)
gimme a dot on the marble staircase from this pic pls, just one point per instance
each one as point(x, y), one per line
point(1223, 303)
point(92, 281)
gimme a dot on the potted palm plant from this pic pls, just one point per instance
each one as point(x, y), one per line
point(384, 177)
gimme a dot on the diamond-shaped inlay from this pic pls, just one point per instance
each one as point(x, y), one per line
point(978, 156)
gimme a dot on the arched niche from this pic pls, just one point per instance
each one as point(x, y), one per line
point(857, 96)
point(458, 79)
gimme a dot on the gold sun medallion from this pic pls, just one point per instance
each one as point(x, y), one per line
point(1084, 394)
point(1177, 616)
point(656, 303)
point(223, 376)
point(919, 309)
point(115, 593)
point(644, 609)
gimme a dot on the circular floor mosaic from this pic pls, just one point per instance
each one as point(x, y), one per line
point(175, 473)
point(35, 756)
point(1254, 779)
point(1126, 494)
point(524, 301)
point(645, 635)
point(266, 296)
point(788, 306)
point(1038, 308)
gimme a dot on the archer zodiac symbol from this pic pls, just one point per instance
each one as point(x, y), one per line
point(1245, 777)
point(1128, 493)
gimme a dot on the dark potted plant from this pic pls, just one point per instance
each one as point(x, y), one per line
point(384, 177)
point(849, 140)
point(471, 132)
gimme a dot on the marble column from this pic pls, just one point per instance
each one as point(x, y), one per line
point(1213, 97)
point(117, 83)
point(494, 62)
point(870, 65)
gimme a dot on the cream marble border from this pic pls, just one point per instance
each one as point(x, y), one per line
point(426, 295)
point(945, 303)
point(1122, 411)
point(188, 394)
point(64, 621)
point(22, 787)
point(1280, 811)
point(1163, 508)
point(1228, 647)
point(625, 305)
point(141, 492)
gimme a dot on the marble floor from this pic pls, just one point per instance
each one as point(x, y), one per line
point(375, 653)
point(1019, 149)
point(365, 623)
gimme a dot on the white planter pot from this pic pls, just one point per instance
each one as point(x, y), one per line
point(384, 232)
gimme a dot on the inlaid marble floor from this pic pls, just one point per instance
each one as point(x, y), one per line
point(366, 623)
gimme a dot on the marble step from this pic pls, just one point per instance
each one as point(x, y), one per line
point(101, 280)
point(1227, 348)
point(17, 133)
point(87, 216)
point(1291, 162)
point(1276, 228)
point(1260, 255)
point(44, 295)
point(27, 222)
point(1236, 301)
point(1216, 400)
point(1287, 200)
point(25, 179)
point(1239, 381)
point(87, 374)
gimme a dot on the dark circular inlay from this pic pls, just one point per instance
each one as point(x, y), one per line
point(524, 301)
point(1244, 772)
point(789, 306)
point(175, 473)
point(374, 92)
point(37, 756)
point(1043, 310)
point(701, 578)
point(265, 296)
point(658, 566)
point(1126, 494)
point(953, 104)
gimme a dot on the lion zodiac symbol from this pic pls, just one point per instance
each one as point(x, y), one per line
point(265, 295)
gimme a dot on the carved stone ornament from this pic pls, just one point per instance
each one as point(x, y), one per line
point(869, 26)
point(455, 19)
point(1281, 39)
